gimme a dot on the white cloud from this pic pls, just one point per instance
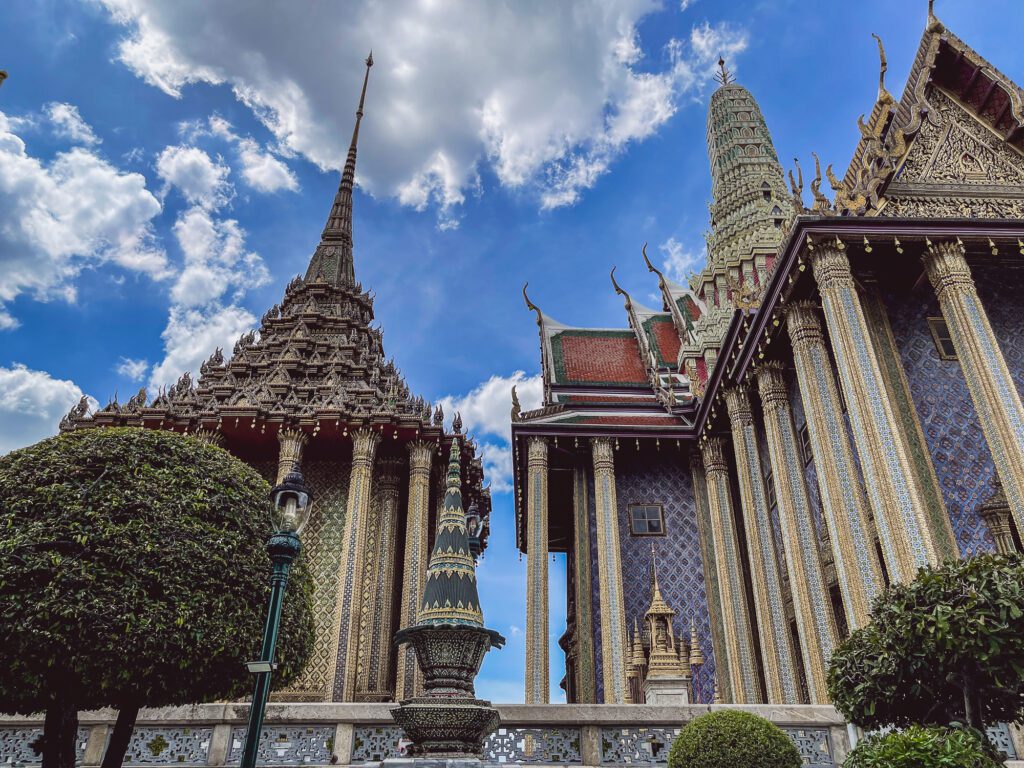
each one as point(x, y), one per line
point(486, 410)
point(200, 179)
point(133, 370)
point(454, 87)
point(263, 171)
point(684, 4)
point(32, 404)
point(68, 123)
point(679, 262)
point(59, 218)
point(192, 334)
point(215, 259)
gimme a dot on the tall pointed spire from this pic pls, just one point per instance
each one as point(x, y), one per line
point(749, 196)
point(333, 260)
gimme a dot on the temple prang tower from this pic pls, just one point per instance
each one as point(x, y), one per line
point(832, 403)
point(312, 387)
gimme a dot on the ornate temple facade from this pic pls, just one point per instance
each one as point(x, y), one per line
point(313, 388)
point(832, 403)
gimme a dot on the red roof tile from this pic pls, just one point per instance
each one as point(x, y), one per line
point(665, 336)
point(597, 357)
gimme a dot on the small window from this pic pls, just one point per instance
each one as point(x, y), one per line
point(646, 520)
point(943, 341)
point(769, 488)
point(805, 444)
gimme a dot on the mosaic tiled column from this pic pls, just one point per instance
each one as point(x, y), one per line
point(357, 515)
point(586, 684)
point(988, 378)
point(739, 640)
point(373, 682)
point(769, 601)
point(614, 645)
point(708, 552)
point(537, 685)
point(816, 624)
point(901, 516)
point(842, 498)
point(291, 442)
point(407, 683)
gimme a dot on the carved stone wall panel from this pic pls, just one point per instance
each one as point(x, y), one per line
point(180, 745)
point(287, 745)
point(533, 746)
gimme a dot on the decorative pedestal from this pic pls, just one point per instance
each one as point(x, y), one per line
point(667, 691)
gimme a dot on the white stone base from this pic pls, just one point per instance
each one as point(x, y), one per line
point(667, 691)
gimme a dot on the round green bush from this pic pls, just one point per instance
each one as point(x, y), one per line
point(733, 739)
point(918, 747)
point(133, 572)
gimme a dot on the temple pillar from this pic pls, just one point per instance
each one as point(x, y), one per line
point(739, 640)
point(373, 682)
point(996, 514)
point(586, 684)
point(842, 497)
point(988, 378)
point(414, 564)
point(537, 684)
point(350, 591)
point(614, 644)
point(769, 600)
point(901, 517)
point(289, 456)
point(816, 625)
point(708, 550)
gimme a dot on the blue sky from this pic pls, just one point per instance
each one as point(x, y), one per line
point(166, 167)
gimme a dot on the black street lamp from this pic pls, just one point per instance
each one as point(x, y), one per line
point(291, 500)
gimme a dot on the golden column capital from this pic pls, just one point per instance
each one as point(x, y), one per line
point(364, 446)
point(291, 443)
point(603, 450)
point(737, 400)
point(713, 452)
point(803, 321)
point(389, 472)
point(771, 383)
point(537, 450)
point(421, 455)
point(946, 265)
point(210, 436)
point(831, 266)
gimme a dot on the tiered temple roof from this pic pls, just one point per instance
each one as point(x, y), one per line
point(316, 364)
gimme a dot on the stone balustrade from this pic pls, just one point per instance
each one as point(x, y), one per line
point(364, 734)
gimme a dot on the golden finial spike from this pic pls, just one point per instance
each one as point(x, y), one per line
point(931, 9)
point(618, 288)
point(532, 306)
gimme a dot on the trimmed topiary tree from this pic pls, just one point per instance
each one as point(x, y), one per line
point(133, 573)
point(944, 648)
point(730, 738)
point(918, 747)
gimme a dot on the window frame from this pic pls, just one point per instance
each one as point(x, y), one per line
point(771, 494)
point(804, 436)
point(936, 325)
point(646, 505)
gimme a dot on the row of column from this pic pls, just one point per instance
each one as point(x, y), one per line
point(908, 539)
point(362, 619)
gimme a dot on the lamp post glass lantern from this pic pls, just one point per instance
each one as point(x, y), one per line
point(291, 501)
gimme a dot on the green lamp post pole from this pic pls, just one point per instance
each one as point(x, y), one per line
point(291, 498)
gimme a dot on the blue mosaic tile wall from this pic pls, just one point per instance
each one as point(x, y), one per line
point(952, 431)
point(1000, 291)
point(595, 601)
point(661, 477)
point(810, 473)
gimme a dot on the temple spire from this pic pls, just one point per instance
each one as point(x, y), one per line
point(333, 260)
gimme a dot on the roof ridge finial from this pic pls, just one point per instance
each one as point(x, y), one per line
point(883, 93)
point(647, 261)
point(530, 305)
point(723, 76)
point(618, 288)
point(931, 9)
point(339, 222)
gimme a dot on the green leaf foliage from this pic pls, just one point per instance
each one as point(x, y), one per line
point(133, 571)
point(946, 647)
point(918, 747)
point(732, 739)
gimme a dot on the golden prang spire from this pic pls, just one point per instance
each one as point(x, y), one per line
point(333, 260)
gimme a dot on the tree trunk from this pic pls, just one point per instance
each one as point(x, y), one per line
point(120, 737)
point(60, 731)
point(972, 707)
